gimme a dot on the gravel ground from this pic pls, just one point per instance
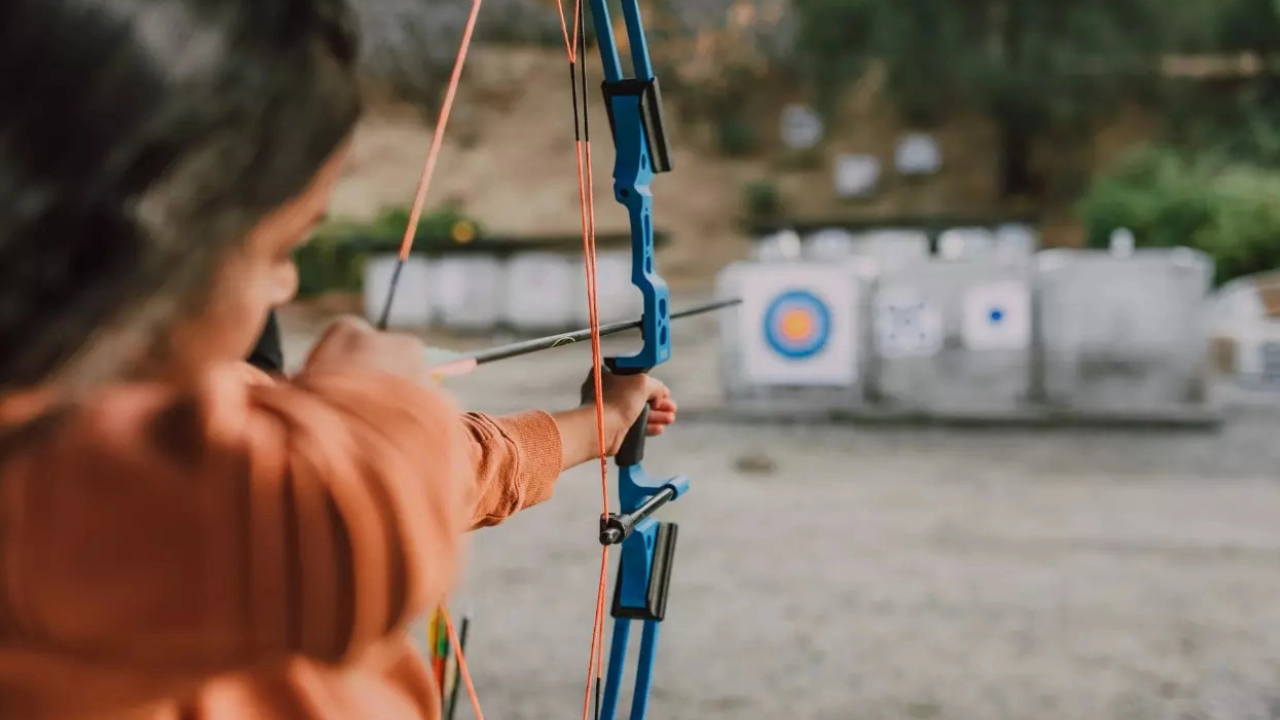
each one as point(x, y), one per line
point(839, 573)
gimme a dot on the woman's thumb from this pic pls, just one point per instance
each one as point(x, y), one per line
point(655, 388)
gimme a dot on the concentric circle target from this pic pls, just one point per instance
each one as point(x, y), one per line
point(797, 324)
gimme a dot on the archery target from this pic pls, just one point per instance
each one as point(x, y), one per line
point(997, 316)
point(907, 326)
point(798, 324)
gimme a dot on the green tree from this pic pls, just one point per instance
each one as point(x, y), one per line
point(1167, 197)
point(1037, 68)
point(1247, 26)
point(1238, 115)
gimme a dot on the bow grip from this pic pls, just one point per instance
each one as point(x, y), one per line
point(632, 450)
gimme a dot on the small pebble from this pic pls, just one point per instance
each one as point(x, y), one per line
point(756, 464)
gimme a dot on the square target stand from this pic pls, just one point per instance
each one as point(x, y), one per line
point(796, 346)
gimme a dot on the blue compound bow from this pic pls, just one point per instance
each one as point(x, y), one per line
point(648, 545)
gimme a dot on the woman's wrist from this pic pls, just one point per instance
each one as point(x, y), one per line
point(580, 434)
point(579, 440)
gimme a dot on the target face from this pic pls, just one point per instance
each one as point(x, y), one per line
point(997, 316)
point(797, 324)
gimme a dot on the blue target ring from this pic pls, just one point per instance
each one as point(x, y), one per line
point(797, 324)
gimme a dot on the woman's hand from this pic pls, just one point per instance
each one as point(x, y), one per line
point(625, 397)
point(351, 344)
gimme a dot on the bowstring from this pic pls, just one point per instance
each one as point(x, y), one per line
point(586, 197)
point(575, 46)
point(429, 166)
point(406, 247)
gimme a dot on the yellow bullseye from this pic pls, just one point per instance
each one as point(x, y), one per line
point(797, 324)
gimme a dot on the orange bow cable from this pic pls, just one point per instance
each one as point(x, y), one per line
point(582, 144)
point(429, 167)
point(574, 47)
point(406, 245)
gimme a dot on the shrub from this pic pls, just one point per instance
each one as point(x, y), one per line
point(762, 199)
point(735, 137)
point(445, 226)
point(334, 259)
point(1229, 210)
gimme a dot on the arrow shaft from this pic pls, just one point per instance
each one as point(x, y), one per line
point(525, 347)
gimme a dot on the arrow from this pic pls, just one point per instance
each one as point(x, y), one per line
point(461, 364)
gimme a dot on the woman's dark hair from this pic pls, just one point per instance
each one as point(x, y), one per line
point(139, 141)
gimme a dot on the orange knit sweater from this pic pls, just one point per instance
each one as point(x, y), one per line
point(250, 549)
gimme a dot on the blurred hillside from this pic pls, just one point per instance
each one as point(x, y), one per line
point(1033, 105)
point(508, 161)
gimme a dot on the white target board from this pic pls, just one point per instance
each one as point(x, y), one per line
point(997, 316)
point(467, 292)
point(541, 291)
point(616, 298)
point(798, 325)
point(856, 175)
point(411, 305)
point(801, 127)
point(905, 325)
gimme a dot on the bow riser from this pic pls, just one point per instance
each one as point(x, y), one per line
point(640, 142)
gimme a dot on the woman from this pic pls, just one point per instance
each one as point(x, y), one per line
point(181, 535)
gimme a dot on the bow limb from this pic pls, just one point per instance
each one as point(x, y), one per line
point(406, 247)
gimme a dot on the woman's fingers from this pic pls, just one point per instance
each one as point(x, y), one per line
point(660, 419)
point(663, 404)
point(661, 414)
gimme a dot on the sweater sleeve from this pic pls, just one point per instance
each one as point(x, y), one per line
point(241, 524)
point(515, 460)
